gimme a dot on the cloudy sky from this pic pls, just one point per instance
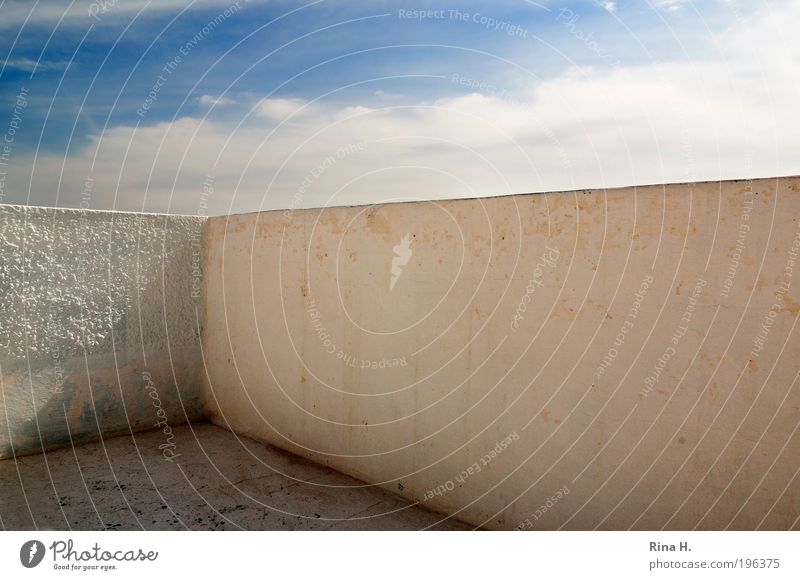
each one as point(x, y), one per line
point(224, 106)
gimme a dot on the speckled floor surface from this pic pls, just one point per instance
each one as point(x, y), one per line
point(221, 481)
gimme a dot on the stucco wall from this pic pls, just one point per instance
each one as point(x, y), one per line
point(100, 325)
point(612, 359)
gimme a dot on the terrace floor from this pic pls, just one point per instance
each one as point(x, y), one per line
point(221, 481)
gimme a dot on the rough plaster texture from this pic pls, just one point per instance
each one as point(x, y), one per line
point(591, 359)
point(219, 482)
point(99, 332)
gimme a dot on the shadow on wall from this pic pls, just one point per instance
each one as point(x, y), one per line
point(102, 401)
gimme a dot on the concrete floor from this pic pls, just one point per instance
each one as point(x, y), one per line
point(221, 481)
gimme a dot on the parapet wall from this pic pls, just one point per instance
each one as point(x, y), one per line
point(592, 359)
point(100, 326)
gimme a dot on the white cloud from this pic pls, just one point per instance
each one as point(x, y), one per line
point(216, 101)
point(29, 65)
point(281, 109)
point(670, 5)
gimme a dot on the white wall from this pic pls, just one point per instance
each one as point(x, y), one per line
point(100, 325)
point(479, 393)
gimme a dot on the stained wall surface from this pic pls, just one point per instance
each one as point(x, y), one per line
point(100, 325)
point(614, 359)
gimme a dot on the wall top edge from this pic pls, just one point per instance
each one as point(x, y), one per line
point(721, 182)
point(22, 207)
point(300, 209)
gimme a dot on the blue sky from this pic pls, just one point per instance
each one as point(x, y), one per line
point(286, 104)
